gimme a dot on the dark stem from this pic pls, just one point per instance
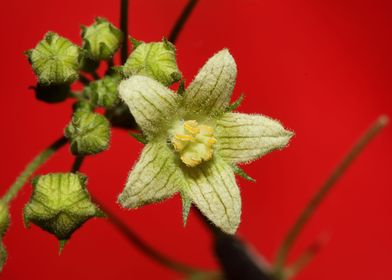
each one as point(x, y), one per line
point(324, 190)
point(177, 28)
point(124, 29)
point(84, 80)
point(77, 163)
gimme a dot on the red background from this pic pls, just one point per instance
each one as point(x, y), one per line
point(321, 67)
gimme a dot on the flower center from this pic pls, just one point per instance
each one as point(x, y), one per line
point(193, 142)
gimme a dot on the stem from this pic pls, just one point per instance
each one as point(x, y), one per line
point(77, 164)
point(177, 28)
point(325, 189)
point(124, 29)
point(32, 167)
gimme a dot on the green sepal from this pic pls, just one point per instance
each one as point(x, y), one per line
point(233, 106)
point(89, 133)
point(55, 60)
point(54, 93)
point(240, 172)
point(156, 60)
point(60, 204)
point(101, 40)
point(139, 137)
point(186, 207)
point(135, 43)
point(103, 93)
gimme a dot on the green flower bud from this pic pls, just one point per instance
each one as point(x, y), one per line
point(55, 60)
point(60, 204)
point(4, 217)
point(89, 133)
point(156, 60)
point(103, 93)
point(51, 93)
point(101, 40)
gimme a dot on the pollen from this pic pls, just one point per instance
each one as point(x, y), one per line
point(193, 142)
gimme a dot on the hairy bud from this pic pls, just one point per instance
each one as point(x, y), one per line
point(103, 93)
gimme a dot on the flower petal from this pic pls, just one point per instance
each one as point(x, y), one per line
point(243, 137)
point(154, 178)
point(152, 104)
point(213, 189)
point(210, 91)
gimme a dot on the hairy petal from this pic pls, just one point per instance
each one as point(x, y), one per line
point(210, 91)
point(213, 189)
point(243, 137)
point(152, 104)
point(154, 177)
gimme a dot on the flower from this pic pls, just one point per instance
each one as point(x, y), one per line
point(193, 142)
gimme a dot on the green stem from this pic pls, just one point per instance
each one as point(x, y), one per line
point(182, 19)
point(324, 190)
point(124, 29)
point(32, 167)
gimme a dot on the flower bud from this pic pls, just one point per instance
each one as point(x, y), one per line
point(55, 60)
point(88, 132)
point(156, 60)
point(101, 40)
point(60, 204)
point(103, 93)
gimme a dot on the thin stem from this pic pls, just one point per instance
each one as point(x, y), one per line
point(95, 75)
point(324, 190)
point(177, 28)
point(32, 167)
point(124, 29)
point(77, 163)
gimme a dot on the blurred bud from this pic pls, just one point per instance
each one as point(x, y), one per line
point(101, 40)
point(103, 93)
point(55, 60)
point(54, 93)
point(88, 132)
point(60, 204)
point(156, 60)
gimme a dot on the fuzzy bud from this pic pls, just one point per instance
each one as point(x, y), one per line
point(55, 60)
point(88, 132)
point(60, 204)
point(101, 40)
point(156, 60)
point(103, 93)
